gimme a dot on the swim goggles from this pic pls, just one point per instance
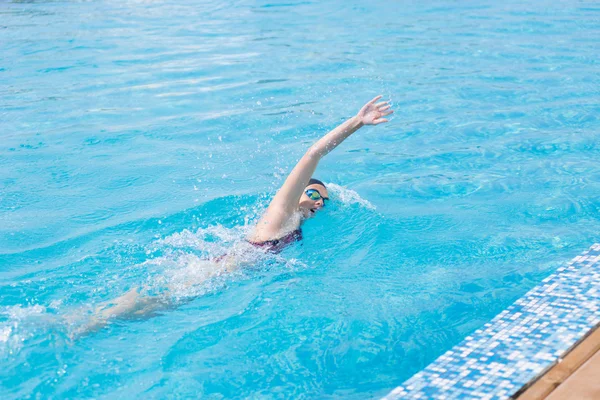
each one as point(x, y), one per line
point(314, 195)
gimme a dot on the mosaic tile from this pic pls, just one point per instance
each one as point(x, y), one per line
point(519, 343)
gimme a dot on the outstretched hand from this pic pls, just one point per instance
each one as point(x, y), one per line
point(373, 113)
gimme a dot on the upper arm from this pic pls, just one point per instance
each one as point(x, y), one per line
point(285, 202)
point(288, 196)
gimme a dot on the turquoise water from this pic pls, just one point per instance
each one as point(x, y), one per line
point(139, 138)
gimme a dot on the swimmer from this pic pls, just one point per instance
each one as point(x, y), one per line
point(300, 198)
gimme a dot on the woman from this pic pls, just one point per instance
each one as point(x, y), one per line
point(300, 197)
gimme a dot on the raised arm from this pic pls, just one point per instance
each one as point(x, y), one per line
point(285, 202)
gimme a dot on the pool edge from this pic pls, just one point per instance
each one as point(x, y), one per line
point(521, 344)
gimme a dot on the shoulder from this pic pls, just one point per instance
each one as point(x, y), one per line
point(274, 228)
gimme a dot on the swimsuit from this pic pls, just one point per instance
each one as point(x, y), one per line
point(272, 246)
point(276, 245)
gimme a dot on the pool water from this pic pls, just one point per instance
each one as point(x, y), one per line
point(140, 138)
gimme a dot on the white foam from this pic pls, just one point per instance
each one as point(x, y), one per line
point(19, 325)
point(348, 196)
point(5, 332)
point(181, 273)
point(189, 264)
point(203, 236)
point(20, 313)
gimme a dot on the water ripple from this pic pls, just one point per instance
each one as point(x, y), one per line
point(140, 138)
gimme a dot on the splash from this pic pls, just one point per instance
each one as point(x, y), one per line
point(19, 324)
point(349, 196)
point(179, 268)
point(213, 240)
point(194, 263)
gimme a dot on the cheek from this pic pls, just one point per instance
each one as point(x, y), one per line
point(306, 203)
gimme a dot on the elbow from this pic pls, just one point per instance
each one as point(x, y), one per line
point(314, 153)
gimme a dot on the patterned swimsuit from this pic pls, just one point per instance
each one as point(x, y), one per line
point(276, 245)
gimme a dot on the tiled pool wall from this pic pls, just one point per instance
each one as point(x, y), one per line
point(519, 343)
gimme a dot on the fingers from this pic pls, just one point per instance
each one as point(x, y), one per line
point(377, 111)
point(379, 121)
point(375, 99)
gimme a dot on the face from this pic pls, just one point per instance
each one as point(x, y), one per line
point(308, 206)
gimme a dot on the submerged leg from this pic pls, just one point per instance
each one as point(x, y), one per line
point(131, 305)
point(135, 304)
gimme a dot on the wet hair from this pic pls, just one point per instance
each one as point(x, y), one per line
point(314, 181)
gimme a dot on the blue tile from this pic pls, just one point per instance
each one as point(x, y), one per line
point(520, 342)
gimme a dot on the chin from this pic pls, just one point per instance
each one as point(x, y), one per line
point(308, 213)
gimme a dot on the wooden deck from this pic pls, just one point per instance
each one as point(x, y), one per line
point(575, 377)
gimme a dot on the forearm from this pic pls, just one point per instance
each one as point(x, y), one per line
point(285, 202)
point(302, 172)
point(335, 137)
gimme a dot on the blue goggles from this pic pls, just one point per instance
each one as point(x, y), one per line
point(314, 195)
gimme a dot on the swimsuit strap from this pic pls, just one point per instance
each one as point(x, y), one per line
point(276, 245)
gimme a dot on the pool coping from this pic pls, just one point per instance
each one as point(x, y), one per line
point(558, 373)
point(516, 348)
point(583, 384)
